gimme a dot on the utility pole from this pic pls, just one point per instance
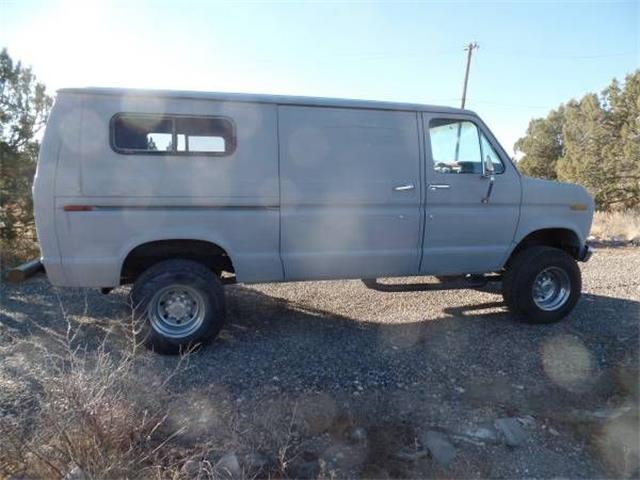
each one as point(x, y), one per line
point(469, 49)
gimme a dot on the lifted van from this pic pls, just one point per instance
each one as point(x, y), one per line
point(178, 192)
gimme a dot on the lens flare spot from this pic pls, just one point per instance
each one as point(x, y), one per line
point(567, 362)
point(619, 444)
point(316, 411)
point(197, 414)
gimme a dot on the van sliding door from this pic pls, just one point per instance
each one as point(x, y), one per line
point(350, 192)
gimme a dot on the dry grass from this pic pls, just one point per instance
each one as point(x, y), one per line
point(81, 408)
point(17, 251)
point(617, 226)
point(104, 409)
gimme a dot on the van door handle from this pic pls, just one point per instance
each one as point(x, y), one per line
point(439, 186)
point(404, 188)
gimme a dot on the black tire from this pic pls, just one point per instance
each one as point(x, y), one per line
point(518, 284)
point(194, 285)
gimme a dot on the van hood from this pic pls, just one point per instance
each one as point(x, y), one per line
point(550, 192)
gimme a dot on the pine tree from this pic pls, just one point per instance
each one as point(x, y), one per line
point(24, 105)
point(542, 146)
point(594, 142)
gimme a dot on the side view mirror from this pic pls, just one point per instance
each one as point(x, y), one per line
point(487, 172)
point(487, 167)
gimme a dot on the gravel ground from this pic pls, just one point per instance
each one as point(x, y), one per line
point(371, 373)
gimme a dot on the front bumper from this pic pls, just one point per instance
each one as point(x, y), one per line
point(585, 253)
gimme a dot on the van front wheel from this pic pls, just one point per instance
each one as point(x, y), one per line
point(542, 285)
point(179, 305)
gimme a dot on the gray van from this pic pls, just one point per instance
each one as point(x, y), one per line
point(179, 192)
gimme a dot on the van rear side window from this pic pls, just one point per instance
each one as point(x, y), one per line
point(172, 135)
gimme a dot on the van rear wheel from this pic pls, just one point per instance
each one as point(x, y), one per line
point(179, 304)
point(542, 285)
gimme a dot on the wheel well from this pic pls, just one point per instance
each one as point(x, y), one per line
point(145, 255)
point(561, 238)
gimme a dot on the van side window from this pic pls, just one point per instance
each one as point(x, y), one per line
point(171, 135)
point(199, 134)
point(457, 146)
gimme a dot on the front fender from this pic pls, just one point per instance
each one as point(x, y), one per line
point(549, 204)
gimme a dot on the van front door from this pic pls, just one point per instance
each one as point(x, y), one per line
point(463, 234)
point(349, 192)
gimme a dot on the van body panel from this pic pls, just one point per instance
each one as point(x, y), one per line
point(548, 204)
point(463, 234)
point(314, 188)
point(258, 99)
point(95, 261)
point(250, 172)
point(231, 201)
point(59, 148)
point(68, 174)
point(342, 215)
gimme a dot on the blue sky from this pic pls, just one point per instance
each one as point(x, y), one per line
point(532, 56)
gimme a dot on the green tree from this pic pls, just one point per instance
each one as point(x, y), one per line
point(587, 140)
point(624, 118)
point(24, 105)
point(543, 145)
point(594, 142)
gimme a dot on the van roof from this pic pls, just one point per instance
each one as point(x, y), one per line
point(264, 98)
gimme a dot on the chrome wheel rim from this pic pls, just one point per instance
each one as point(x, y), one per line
point(176, 311)
point(551, 288)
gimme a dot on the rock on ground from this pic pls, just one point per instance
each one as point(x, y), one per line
point(439, 446)
point(512, 430)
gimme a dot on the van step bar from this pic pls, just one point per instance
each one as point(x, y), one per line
point(455, 283)
point(22, 272)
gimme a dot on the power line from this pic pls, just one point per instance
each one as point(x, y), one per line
point(567, 57)
point(502, 104)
